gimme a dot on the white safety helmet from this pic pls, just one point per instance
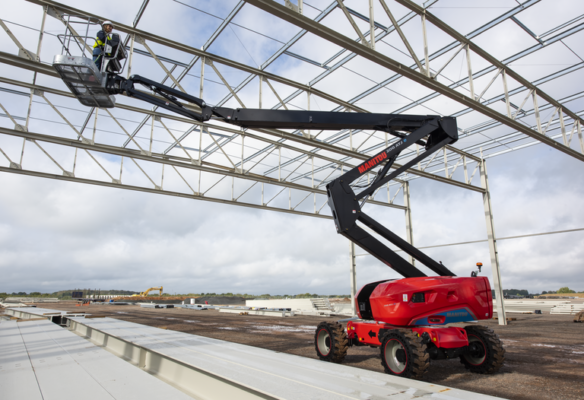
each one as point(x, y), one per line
point(107, 23)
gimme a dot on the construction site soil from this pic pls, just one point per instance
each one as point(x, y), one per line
point(544, 353)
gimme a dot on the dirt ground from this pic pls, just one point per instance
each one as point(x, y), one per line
point(544, 353)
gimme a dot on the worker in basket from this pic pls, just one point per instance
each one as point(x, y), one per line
point(103, 41)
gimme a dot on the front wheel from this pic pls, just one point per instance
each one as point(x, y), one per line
point(485, 353)
point(403, 354)
point(330, 341)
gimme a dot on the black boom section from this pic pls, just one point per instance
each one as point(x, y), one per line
point(324, 120)
point(405, 246)
point(346, 209)
point(168, 97)
point(380, 251)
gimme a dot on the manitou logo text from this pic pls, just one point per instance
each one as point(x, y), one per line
point(457, 314)
point(373, 162)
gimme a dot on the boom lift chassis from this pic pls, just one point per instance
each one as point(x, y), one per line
point(405, 318)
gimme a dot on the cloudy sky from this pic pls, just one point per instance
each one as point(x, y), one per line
point(58, 235)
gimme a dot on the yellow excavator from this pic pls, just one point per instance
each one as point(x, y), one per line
point(145, 293)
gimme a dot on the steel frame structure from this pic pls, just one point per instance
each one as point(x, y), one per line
point(283, 170)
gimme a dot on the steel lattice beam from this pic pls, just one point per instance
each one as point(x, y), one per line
point(156, 191)
point(171, 161)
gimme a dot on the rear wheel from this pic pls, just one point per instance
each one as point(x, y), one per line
point(403, 354)
point(330, 341)
point(485, 354)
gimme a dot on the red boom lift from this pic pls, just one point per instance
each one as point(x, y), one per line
point(405, 318)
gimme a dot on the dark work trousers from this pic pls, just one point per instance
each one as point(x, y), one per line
point(97, 57)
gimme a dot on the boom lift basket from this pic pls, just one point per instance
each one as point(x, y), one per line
point(82, 77)
point(80, 73)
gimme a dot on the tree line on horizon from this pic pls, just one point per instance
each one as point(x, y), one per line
point(523, 292)
point(66, 294)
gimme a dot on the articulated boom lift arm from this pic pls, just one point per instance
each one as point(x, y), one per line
point(431, 132)
point(346, 209)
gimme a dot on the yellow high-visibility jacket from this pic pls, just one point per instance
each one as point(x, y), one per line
point(100, 41)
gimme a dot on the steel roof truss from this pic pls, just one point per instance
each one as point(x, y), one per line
point(336, 38)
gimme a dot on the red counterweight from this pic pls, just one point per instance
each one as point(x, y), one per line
point(426, 301)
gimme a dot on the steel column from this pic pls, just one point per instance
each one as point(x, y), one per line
point(492, 244)
point(353, 277)
point(409, 226)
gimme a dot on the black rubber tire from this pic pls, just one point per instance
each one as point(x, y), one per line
point(417, 358)
point(489, 355)
point(330, 342)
